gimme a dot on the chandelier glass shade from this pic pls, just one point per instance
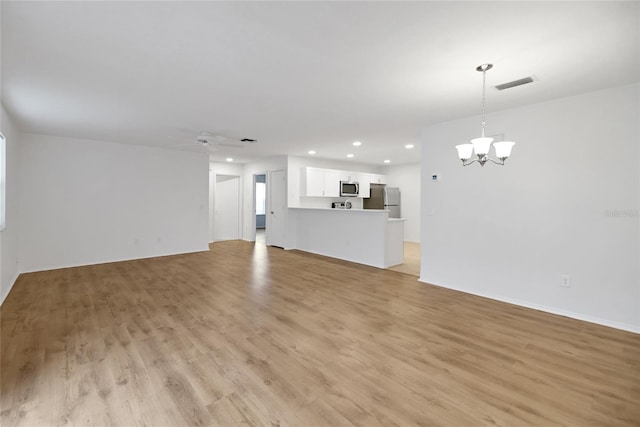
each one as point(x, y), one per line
point(482, 145)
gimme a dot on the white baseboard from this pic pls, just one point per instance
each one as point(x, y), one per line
point(547, 309)
point(108, 261)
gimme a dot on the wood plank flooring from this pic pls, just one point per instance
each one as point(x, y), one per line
point(249, 335)
point(411, 263)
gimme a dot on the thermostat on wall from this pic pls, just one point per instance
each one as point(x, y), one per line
point(435, 177)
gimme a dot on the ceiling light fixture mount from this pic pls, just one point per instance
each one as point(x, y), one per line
point(482, 145)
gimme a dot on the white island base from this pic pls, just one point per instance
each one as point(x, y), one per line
point(365, 236)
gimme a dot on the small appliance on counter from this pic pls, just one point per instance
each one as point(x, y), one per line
point(341, 205)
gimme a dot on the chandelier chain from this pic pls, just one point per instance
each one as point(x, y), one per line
point(484, 120)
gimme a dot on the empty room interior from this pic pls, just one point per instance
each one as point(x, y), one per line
point(320, 213)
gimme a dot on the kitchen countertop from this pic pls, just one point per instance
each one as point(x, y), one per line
point(352, 210)
point(344, 210)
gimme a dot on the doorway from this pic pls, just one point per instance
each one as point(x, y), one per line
point(260, 192)
point(411, 263)
point(226, 215)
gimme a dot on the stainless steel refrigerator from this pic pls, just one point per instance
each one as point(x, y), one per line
point(383, 197)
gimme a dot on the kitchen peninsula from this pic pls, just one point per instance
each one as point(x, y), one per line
point(365, 236)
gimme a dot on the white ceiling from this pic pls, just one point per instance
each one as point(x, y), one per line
point(298, 76)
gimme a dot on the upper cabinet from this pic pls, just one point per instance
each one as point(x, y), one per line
point(331, 183)
point(316, 182)
point(349, 176)
point(378, 179)
point(365, 185)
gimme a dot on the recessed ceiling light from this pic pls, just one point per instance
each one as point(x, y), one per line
point(349, 155)
point(409, 146)
point(312, 152)
point(229, 159)
point(387, 161)
point(357, 143)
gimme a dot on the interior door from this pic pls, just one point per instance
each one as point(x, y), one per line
point(226, 218)
point(277, 208)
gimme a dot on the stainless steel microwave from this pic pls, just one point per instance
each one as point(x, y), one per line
point(349, 189)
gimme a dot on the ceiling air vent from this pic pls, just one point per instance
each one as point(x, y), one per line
point(514, 83)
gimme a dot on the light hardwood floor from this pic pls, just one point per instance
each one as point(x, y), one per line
point(249, 335)
point(411, 264)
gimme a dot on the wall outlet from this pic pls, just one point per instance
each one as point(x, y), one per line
point(565, 281)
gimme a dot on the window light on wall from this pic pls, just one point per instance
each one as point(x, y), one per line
point(261, 198)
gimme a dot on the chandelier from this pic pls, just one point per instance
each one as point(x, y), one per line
point(482, 145)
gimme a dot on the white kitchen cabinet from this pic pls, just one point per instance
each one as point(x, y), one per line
point(366, 179)
point(365, 185)
point(349, 176)
point(331, 183)
point(319, 182)
point(378, 179)
point(312, 182)
point(316, 182)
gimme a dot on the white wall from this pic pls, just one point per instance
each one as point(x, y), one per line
point(565, 203)
point(9, 237)
point(227, 216)
point(407, 178)
point(219, 168)
point(226, 168)
point(87, 202)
